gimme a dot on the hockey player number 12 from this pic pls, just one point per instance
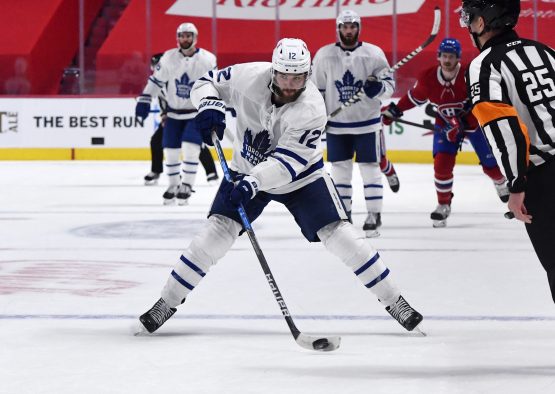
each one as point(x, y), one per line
point(309, 137)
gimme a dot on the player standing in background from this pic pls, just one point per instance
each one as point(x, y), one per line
point(340, 70)
point(156, 149)
point(176, 73)
point(277, 156)
point(512, 90)
point(444, 87)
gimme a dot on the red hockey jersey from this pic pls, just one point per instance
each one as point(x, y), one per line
point(449, 98)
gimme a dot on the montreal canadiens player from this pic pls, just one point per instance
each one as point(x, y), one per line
point(444, 87)
point(277, 156)
point(176, 72)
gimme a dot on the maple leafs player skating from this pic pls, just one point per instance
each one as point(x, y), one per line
point(176, 73)
point(444, 87)
point(277, 157)
point(340, 71)
point(156, 148)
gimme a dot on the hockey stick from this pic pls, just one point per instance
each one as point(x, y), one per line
point(421, 125)
point(324, 344)
point(357, 96)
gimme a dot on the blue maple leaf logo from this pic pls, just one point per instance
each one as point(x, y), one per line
point(347, 88)
point(256, 149)
point(183, 86)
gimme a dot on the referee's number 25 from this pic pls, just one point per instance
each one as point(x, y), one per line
point(538, 85)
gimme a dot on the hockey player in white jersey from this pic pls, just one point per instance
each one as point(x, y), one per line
point(277, 156)
point(340, 71)
point(176, 73)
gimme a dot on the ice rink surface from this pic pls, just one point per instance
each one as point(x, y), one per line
point(85, 248)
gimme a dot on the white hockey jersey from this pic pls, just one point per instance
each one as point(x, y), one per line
point(176, 74)
point(339, 74)
point(280, 146)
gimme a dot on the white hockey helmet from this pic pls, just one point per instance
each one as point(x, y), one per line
point(291, 56)
point(348, 16)
point(188, 28)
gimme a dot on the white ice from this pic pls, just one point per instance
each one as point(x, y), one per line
point(85, 248)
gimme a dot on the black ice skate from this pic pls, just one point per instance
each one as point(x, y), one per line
point(183, 194)
point(393, 181)
point(502, 191)
point(371, 224)
point(405, 314)
point(440, 215)
point(155, 317)
point(170, 194)
point(152, 178)
point(212, 178)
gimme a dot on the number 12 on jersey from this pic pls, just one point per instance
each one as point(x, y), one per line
point(309, 137)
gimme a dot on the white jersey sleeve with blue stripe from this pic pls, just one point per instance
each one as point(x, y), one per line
point(340, 73)
point(280, 146)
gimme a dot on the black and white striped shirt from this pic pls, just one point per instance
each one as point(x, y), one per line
point(512, 88)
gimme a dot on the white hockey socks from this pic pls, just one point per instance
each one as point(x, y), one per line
point(342, 174)
point(172, 165)
point(373, 187)
point(189, 166)
point(206, 248)
point(344, 241)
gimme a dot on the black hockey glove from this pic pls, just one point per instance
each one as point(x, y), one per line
point(373, 87)
point(211, 117)
point(390, 113)
point(143, 106)
point(240, 192)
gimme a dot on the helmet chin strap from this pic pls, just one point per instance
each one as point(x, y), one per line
point(475, 37)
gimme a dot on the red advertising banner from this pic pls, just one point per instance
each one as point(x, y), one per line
point(247, 30)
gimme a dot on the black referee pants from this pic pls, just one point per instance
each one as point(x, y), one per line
point(540, 202)
point(156, 151)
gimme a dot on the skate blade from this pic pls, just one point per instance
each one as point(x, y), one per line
point(169, 202)
point(372, 233)
point(419, 330)
point(182, 202)
point(439, 223)
point(137, 329)
point(151, 183)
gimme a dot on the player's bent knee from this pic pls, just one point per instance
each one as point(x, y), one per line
point(346, 242)
point(214, 241)
point(205, 250)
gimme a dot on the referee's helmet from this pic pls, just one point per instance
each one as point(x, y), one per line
point(497, 14)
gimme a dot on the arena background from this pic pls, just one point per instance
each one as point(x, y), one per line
point(70, 70)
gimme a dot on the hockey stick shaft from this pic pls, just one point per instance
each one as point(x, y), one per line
point(420, 125)
point(435, 29)
point(263, 263)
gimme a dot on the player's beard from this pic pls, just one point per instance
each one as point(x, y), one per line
point(350, 40)
point(186, 46)
point(285, 95)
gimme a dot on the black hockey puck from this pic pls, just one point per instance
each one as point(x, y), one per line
point(320, 344)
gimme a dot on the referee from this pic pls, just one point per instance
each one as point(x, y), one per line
point(512, 88)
